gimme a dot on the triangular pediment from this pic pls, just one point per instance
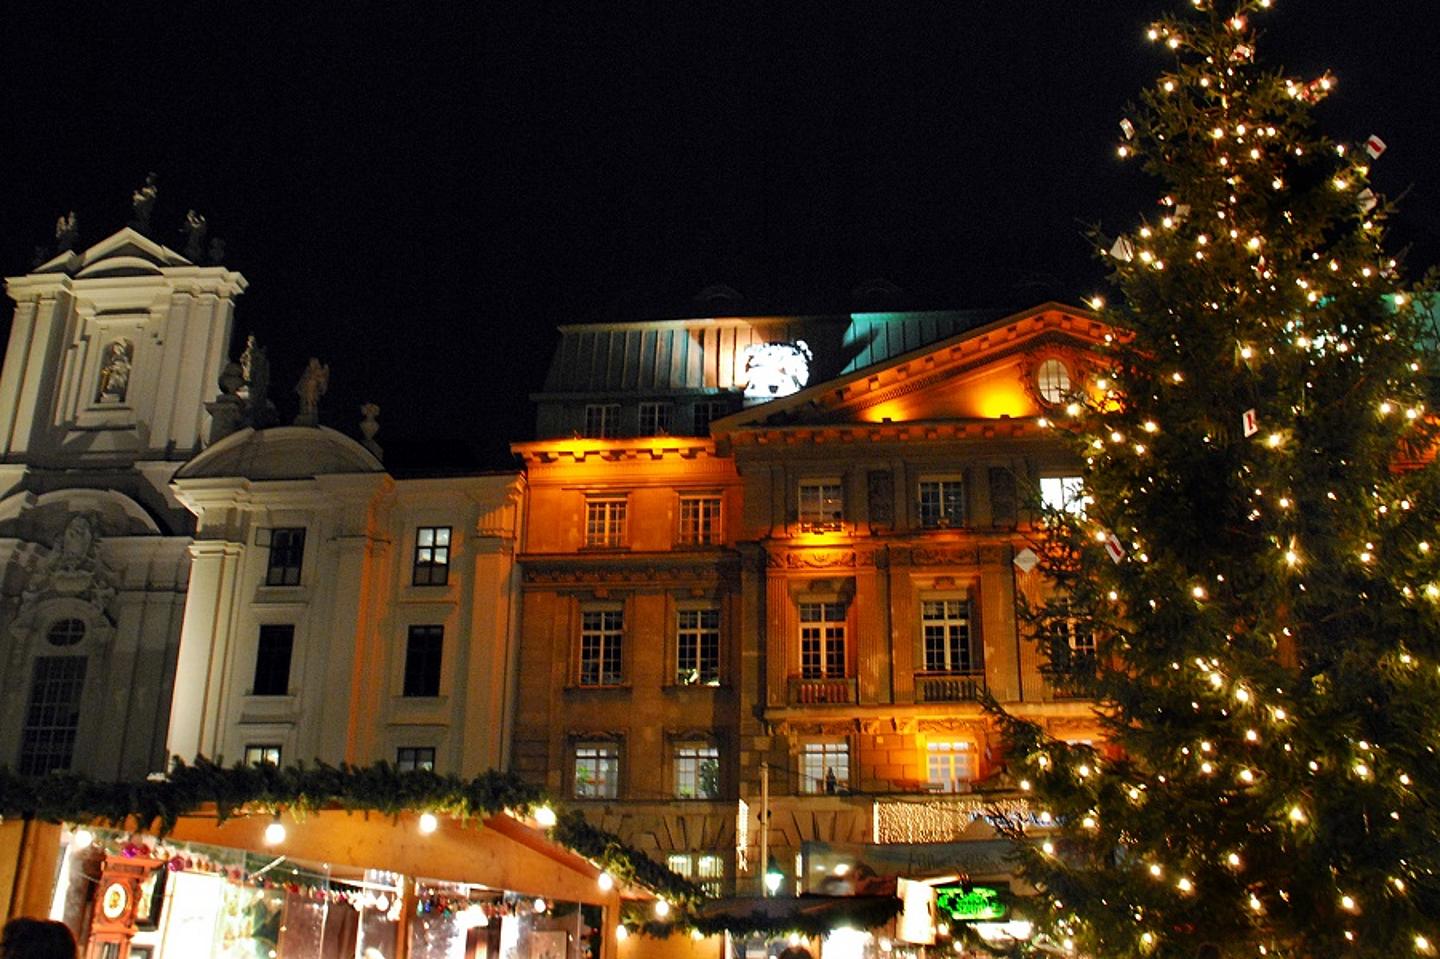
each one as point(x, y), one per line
point(124, 252)
point(986, 373)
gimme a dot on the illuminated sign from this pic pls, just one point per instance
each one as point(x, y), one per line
point(980, 903)
point(776, 369)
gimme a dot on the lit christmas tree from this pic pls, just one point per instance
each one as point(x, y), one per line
point(1255, 561)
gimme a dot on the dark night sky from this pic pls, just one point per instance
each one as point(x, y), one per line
point(420, 206)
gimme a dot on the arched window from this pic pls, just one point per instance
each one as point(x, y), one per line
point(66, 632)
point(1053, 380)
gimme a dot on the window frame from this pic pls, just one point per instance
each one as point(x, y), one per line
point(284, 565)
point(714, 410)
point(1071, 490)
point(607, 521)
point(941, 520)
point(1052, 389)
point(818, 785)
point(48, 744)
point(415, 762)
point(815, 519)
point(260, 753)
point(660, 413)
point(818, 638)
point(695, 636)
point(273, 632)
point(971, 649)
point(423, 571)
point(603, 751)
point(691, 865)
point(952, 784)
point(703, 529)
point(420, 660)
point(608, 643)
point(602, 421)
point(693, 752)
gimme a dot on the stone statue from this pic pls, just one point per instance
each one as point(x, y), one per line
point(314, 383)
point(115, 371)
point(67, 233)
point(195, 229)
point(369, 426)
point(142, 201)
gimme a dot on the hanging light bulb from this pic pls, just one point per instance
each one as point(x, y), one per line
point(428, 823)
point(275, 832)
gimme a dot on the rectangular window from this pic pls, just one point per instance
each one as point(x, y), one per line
point(409, 759)
point(697, 641)
point(272, 660)
point(605, 521)
point(287, 552)
point(601, 634)
point(602, 420)
point(257, 753)
point(654, 419)
point(822, 640)
point(597, 771)
point(52, 718)
point(822, 504)
point(432, 556)
point(424, 648)
point(950, 766)
point(697, 771)
point(706, 412)
point(705, 869)
point(1063, 494)
point(945, 625)
point(699, 520)
point(825, 767)
point(1077, 651)
point(942, 503)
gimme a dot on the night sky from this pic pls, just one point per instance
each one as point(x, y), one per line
point(421, 205)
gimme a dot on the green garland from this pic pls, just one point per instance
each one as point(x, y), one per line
point(156, 805)
point(823, 915)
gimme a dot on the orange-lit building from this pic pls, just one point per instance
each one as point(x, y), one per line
point(823, 588)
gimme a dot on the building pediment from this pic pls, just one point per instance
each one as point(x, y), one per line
point(125, 252)
point(989, 373)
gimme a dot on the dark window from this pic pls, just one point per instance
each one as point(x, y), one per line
point(432, 556)
point(287, 551)
point(423, 650)
point(53, 716)
point(602, 420)
point(258, 753)
point(942, 503)
point(272, 659)
point(654, 419)
point(409, 759)
point(706, 412)
point(601, 633)
point(66, 632)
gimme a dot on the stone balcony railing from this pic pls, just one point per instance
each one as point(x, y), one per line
point(839, 691)
point(950, 686)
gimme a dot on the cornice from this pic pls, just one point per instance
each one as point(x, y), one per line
point(579, 449)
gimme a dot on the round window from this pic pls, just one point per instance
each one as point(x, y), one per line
point(66, 632)
point(1053, 378)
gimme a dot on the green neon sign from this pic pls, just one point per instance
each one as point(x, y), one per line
point(980, 904)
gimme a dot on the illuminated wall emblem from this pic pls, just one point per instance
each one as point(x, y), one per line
point(776, 369)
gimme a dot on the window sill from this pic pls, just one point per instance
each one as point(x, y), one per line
point(597, 688)
point(671, 687)
point(601, 548)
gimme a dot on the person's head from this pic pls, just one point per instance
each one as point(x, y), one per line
point(36, 939)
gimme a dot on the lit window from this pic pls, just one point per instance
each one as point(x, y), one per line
point(942, 503)
point(65, 632)
point(432, 556)
point(1063, 494)
point(409, 759)
point(258, 753)
point(272, 659)
point(705, 413)
point(1053, 380)
point(52, 717)
point(697, 771)
point(287, 552)
point(822, 640)
point(825, 767)
point(1074, 649)
point(945, 631)
point(654, 419)
point(424, 649)
point(706, 869)
point(602, 420)
point(822, 504)
point(597, 771)
point(605, 521)
point(699, 520)
point(697, 643)
point(601, 635)
point(950, 765)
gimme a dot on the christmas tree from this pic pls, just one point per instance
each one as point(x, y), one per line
point(1249, 587)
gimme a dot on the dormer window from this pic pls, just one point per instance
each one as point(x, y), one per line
point(602, 420)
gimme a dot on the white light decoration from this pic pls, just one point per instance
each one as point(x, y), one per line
point(539, 904)
point(545, 816)
point(428, 823)
point(621, 933)
point(83, 839)
point(275, 833)
point(662, 908)
point(605, 881)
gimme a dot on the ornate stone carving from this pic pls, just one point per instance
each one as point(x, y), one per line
point(115, 366)
point(72, 569)
point(941, 556)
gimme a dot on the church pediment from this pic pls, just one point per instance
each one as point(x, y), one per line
point(1002, 370)
point(127, 252)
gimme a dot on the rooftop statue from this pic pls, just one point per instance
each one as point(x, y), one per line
point(314, 383)
point(195, 229)
point(142, 201)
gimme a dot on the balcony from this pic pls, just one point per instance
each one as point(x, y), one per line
point(836, 691)
point(1072, 680)
point(949, 686)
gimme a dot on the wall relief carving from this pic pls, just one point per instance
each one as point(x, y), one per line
point(72, 569)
